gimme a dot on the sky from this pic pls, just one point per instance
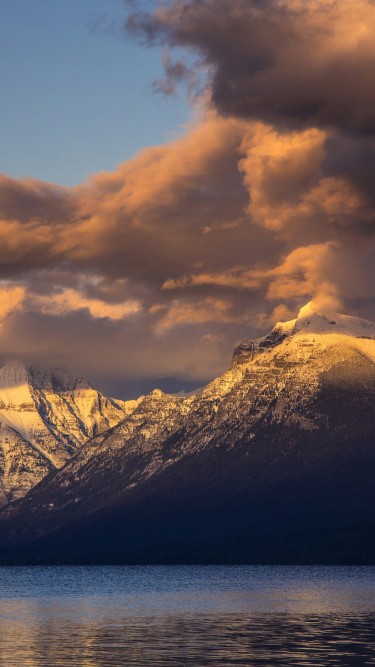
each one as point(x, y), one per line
point(178, 175)
point(77, 93)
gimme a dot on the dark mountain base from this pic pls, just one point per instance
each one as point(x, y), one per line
point(314, 514)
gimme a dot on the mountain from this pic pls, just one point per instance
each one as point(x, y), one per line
point(45, 416)
point(274, 461)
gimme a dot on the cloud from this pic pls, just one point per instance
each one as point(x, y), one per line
point(11, 299)
point(305, 271)
point(185, 313)
point(29, 200)
point(280, 170)
point(185, 249)
point(288, 63)
point(176, 71)
point(70, 300)
point(136, 220)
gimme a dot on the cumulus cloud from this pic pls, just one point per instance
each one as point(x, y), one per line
point(289, 63)
point(29, 200)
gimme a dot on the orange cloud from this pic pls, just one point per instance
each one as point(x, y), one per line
point(69, 300)
point(278, 170)
point(11, 299)
point(300, 274)
point(185, 313)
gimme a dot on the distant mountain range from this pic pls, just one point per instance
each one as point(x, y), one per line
point(274, 461)
point(45, 416)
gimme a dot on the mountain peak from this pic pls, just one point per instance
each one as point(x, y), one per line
point(310, 320)
point(13, 373)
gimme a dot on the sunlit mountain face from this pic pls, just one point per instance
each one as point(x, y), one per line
point(45, 416)
point(274, 459)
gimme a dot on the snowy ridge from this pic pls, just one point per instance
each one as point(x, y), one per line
point(44, 417)
point(310, 321)
point(307, 322)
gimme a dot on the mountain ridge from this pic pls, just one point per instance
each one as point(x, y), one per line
point(45, 415)
point(279, 450)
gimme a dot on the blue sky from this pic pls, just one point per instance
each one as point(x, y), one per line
point(75, 100)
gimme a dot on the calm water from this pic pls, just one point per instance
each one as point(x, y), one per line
point(187, 616)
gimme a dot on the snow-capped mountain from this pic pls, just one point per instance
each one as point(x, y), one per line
point(308, 322)
point(44, 417)
point(268, 459)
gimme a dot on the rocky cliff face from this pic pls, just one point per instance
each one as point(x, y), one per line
point(45, 416)
point(282, 442)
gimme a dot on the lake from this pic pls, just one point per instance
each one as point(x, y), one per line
point(187, 616)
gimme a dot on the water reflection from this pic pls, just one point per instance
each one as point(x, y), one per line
point(159, 617)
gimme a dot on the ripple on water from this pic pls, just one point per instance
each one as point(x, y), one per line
point(159, 617)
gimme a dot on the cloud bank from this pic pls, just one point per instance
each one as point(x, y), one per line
point(153, 271)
